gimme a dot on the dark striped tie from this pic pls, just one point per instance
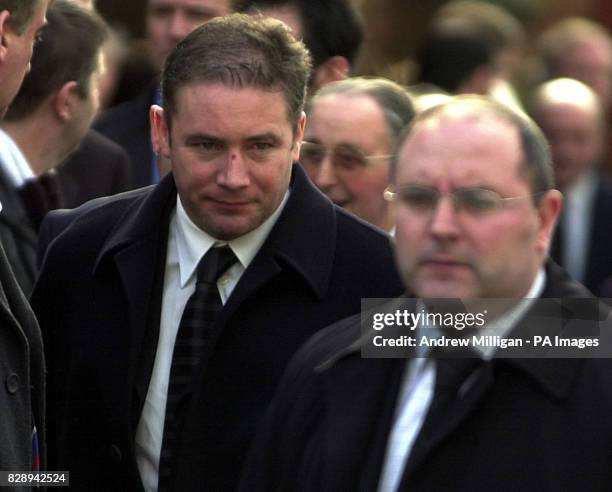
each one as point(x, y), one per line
point(191, 338)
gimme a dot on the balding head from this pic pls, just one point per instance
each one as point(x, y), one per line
point(571, 116)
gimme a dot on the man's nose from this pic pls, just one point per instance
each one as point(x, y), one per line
point(180, 27)
point(444, 218)
point(325, 175)
point(234, 173)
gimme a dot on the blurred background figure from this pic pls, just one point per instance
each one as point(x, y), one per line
point(99, 167)
point(457, 60)
point(581, 49)
point(330, 29)
point(349, 142)
point(167, 22)
point(505, 40)
point(45, 122)
point(571, 117)
point(472, 47)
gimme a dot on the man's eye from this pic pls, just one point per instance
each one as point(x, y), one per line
point(161, 12)
point(262, 146)
point(259, 151)
point(420, 199)
point(478, 201)
point(208, 148)
point(208, 145)
point(348, 159)
point(198, 16)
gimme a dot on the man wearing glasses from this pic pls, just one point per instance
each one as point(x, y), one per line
point(350, 138)
point(475, 213)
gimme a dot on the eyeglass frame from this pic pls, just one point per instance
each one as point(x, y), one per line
point(391, 195)
point(328, 151)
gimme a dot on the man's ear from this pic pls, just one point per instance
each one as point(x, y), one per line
point(4, 28)
point(549, 211)
point(331, 70)
point(299, 136)
point(160, 137)
point(66, 101)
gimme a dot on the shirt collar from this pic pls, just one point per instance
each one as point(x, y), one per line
point(504, 324)
point(193, 243)
point(500, 327)
point(13, 162)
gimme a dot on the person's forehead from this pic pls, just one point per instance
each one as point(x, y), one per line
point(567, 113)
point(347, 112)
point(193, 94)
point(464, 119)
point(446, 139)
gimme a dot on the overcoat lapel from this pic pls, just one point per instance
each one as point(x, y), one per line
point(359, 396)
point(133, 249)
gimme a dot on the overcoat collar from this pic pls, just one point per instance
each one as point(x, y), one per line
point(350, 383)
point(308, 215)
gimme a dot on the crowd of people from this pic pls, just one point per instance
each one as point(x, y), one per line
point(188, 277)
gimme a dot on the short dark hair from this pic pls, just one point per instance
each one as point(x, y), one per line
point(21, 11)
point(240, 51)
point(68, 51)
point(450, 54)
point(537, 162)
point(330, 27)
point(394, 101)
point(501, 29)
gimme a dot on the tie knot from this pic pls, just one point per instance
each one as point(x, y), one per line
point(214, 263)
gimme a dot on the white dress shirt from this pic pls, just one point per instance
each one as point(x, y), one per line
point(576, 224)
point(13, 162)
point(187, 244)
point(417, 390)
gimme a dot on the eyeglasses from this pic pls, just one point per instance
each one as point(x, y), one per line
point(473, 201)
point(344, 158)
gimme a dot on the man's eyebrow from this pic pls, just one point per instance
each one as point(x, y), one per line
point(349, 146)
point(264, 136)
point(198, 137)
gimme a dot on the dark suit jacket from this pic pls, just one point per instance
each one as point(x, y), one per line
point(21, 375)
point(598, 265)
point(99, 167)
point(17, 235)
point(128, 125)
point(98, 287)
point(525, 424)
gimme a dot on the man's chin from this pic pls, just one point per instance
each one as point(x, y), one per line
point(228, 231)
point(446, 290)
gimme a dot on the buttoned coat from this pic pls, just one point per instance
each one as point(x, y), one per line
point(21, 376)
